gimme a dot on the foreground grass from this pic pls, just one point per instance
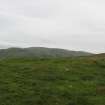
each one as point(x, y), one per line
point(69, 81)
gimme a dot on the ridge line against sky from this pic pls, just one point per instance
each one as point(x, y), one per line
point(68, 24)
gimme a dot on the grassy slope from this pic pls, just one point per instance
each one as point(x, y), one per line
point(75, 81)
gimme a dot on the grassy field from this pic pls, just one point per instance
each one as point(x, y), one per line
point(69, 81)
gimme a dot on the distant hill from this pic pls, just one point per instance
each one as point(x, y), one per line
point(39, 52)
point(98, 56)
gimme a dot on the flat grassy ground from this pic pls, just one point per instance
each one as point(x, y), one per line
point(69, 81)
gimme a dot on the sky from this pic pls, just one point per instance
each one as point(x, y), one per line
point(68, 24)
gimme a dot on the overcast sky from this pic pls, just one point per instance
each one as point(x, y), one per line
point(69, 24)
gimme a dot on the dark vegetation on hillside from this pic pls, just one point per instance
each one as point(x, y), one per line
point(60, 81)
point(39, 52)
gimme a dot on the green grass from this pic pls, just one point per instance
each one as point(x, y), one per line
point(69, 81)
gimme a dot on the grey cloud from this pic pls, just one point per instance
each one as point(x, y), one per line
point(5, 23)
point(30, 8)
point(71, 24)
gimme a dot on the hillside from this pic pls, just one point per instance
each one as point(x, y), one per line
point(60, 81)
point(101, 55)
point(39, 52)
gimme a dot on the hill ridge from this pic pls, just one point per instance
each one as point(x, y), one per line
point(40, 52)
